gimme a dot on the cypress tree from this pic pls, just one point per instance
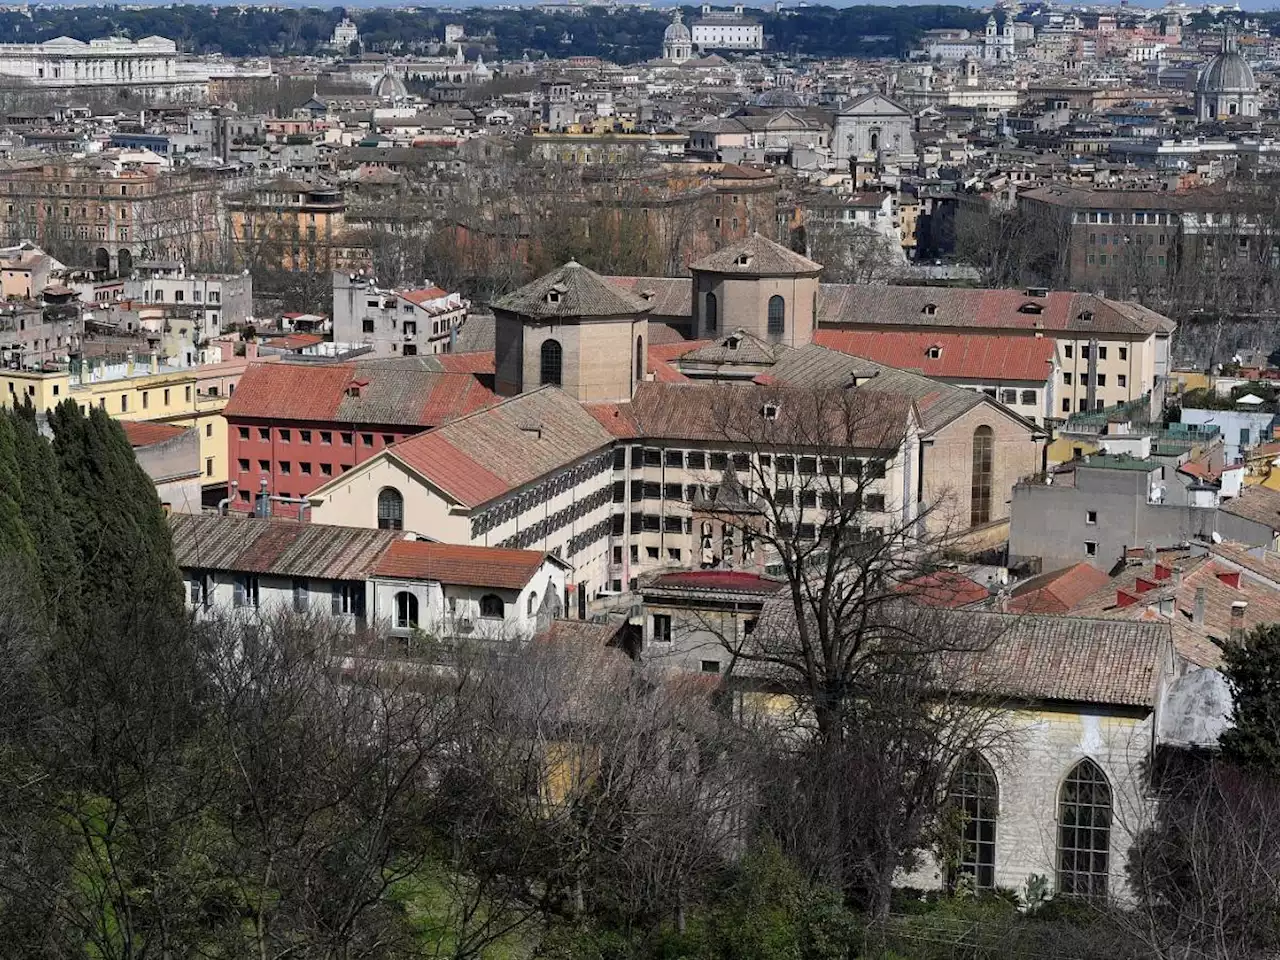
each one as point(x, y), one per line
point(44, 509)
point(17, 548)
point(127, 565)
point(1253, 671)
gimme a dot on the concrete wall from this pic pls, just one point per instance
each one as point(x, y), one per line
point(175, 467)
point(948, 467)
point(1240, 428)
point(1043, 745)
point(743, 302)
point(1052, 522)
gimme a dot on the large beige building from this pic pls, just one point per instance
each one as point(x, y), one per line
point(759, 287)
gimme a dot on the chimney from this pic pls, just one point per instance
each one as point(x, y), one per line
point(1237, 621)
point(1165, 606)
point(1177, 577)
point(154, 365)
point(1197, 615)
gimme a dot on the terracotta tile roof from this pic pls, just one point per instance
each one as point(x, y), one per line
point(666, 296)
point(660, 357)
point(709, 411)
point(422, 296)
point(1136, 594)
point(571, 291)
point(488, 453)
point(762, 256)
point(960, 355)
point(858, 306)
point(460, 565)
point(1072, 659)
point(1256, 503)
point(143, 433)
point(479, 362)
point(945, 588)
point(713, 581)
point(1057, 591)
point(388, 393)
point(294, 341)
point(284, 547)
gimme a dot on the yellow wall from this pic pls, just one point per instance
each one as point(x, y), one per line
point(164, 397)
point(1063, 448)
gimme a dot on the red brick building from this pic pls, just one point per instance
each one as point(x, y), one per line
point(298, 425)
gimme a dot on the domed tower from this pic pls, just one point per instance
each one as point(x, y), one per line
point(1226, 88)
point(574, 330)
point(677, 41)
point(757, 286)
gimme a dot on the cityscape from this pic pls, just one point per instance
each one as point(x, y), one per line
point(630, 482)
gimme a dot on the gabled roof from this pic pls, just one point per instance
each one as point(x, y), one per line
point(858, 306)
point(757, 256)
point(952, 355)
point(1057, 591)
point(401, 392)
point(460, 565)
point(571, 291)
point(283, 547)
point(144, 433)
point(482, 456)
point(944, 588)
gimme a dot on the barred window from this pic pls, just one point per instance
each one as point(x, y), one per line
point(973, 793)
point(1084, 832)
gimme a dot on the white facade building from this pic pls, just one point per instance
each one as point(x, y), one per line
point(396, 323)
point(224, 299)
point(724, 30)
point(149, 65)
point(344, 34)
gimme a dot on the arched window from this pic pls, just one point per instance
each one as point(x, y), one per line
point(712, 313)
point(984, 444)
point(552, 367)
point(875, 140)
point(532, 606)
point(1084, 832)
point(390, 509)
point(491, 605)
point(639, 359)
point(406, 611)
point(973, 793)
point(777, 316)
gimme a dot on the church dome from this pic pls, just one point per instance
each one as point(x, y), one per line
point(1227, 73)
point(676, 31)
point(390, 87)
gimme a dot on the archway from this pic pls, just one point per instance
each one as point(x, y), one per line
point(124, 263)
point(101, 259)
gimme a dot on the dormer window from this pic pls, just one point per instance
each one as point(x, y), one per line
point(743, 260)
point(934, 352)
point(770, 411)
point(930, 309)
point(1030, 307)
point(732, 343)
point(553, 296)
point(356, 388)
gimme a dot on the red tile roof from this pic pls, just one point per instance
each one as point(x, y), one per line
point(421, 296)
point(142, 433)
point(479, 362)
point(660, 356)
point(286, 391)
point(962, 355)
point(455, 473)
point(293, 341)
point(1058, 591)
point(945, 588)
point(390, 395)
point(461, 565)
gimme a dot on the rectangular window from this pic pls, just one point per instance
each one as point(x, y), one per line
point(653, 491)
point(286, 467)
point(244, 433)
point(243, 464)
point(662, 628)
point(326, 438)
point(301, 596)
point(719, 461)
point(304, 468)
point(208, 466)
point(1066, 405)
point(652, 458)
point(326, 469)
point(347, 439)
point(186, 394)
point(304, 436)
point(146, 399)
point(1008, 396)
point(1091, 517)
point(1028, 397)
point(786, 464)
point(246, 591)
point(264, 434)
point(673, 491)
point(697, 460)
point(673, 458)
point(1102, 353)
point(710, 666)
point(124, 403)
point(1124, 353)
point(620, 491)
point(285, 435)
point(875, 502)
point(1121, 380)
point(1090, 548)
point(620, 458)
